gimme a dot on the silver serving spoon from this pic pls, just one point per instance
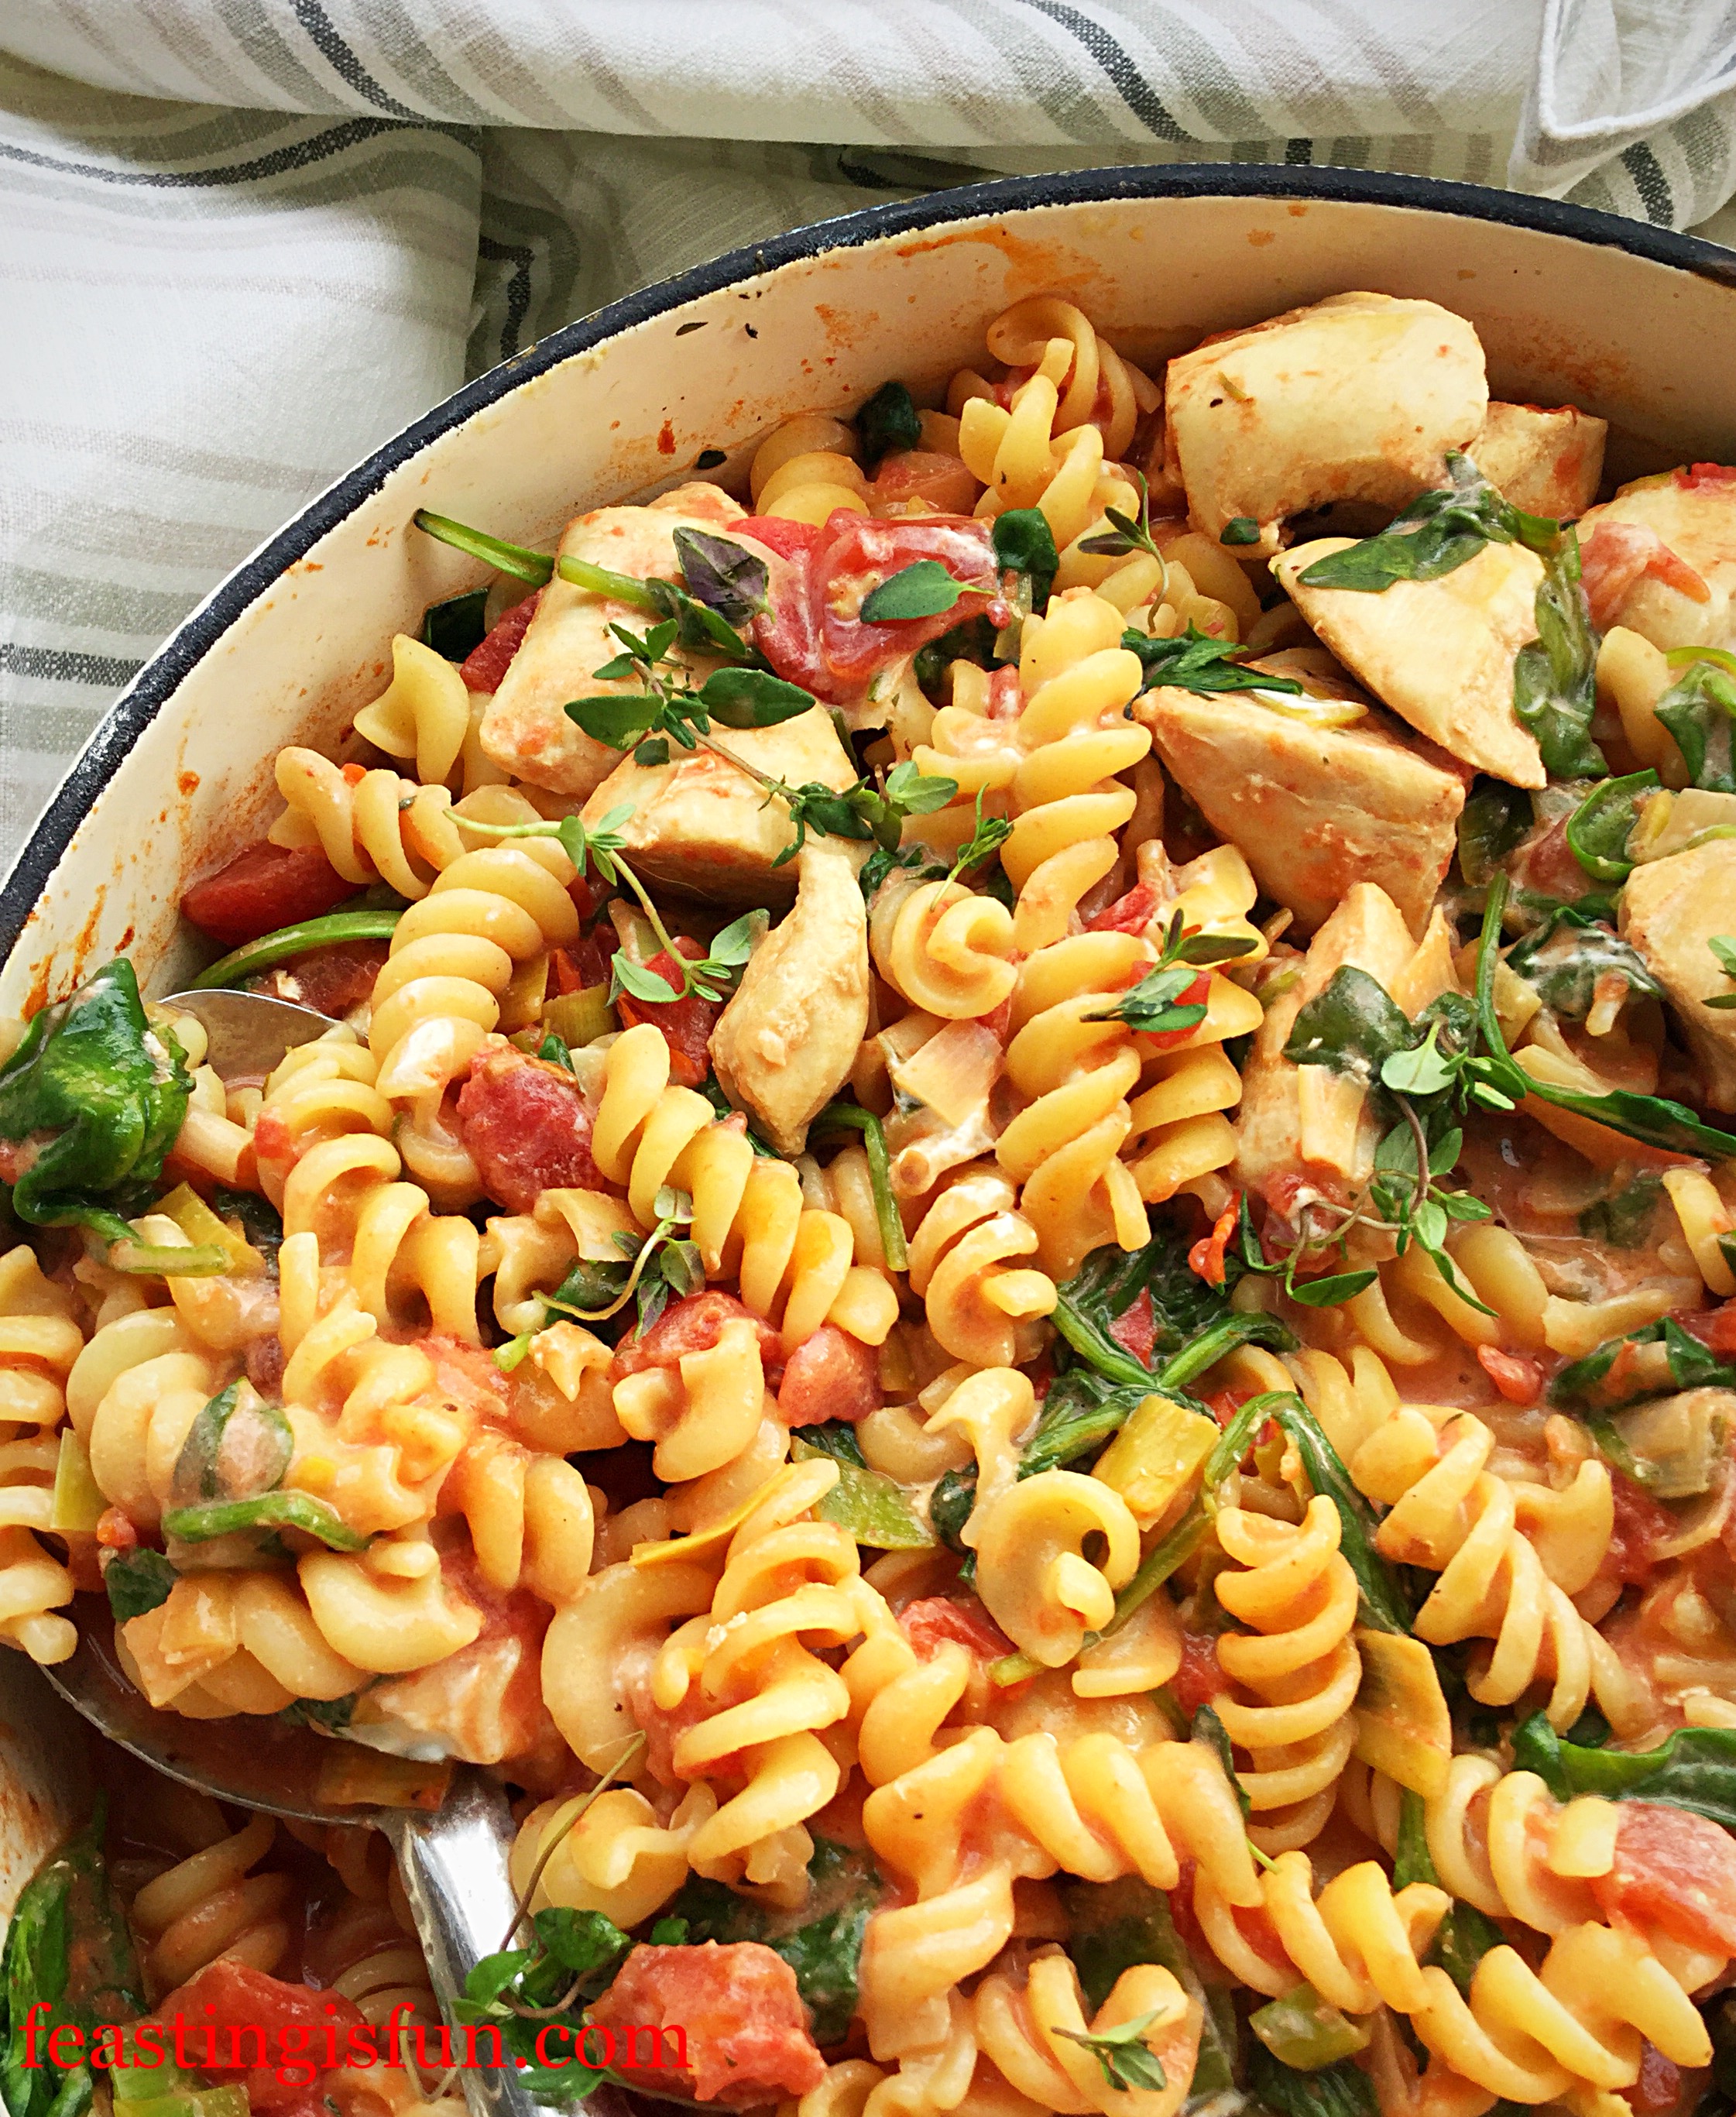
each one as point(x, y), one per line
point(452, 1858)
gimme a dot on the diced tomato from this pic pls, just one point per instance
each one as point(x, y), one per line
point(1199, 1679)
point(686, 1024)
point(1131, 914)
point(829, 1376)
point(1695, 478)
point(812, 633)
point(937, 1619)
point(1716, 1328)
point(1618, 556)
point(1254, 1923)
point(330, 980)
point(1135, 1328)
point(787, 540)
point(694, 1324)
point(736, 2007)
point(488, 661)
point(1519, 1381)
point(114, 1530)
point(1006, 694)
point(1659, 2087)
point(1206, 1259)
point(262, 889)
point(1673, 1870)
point(1640, 1523)
point(944, 481)
point(229, 1995)
point(526, 1127)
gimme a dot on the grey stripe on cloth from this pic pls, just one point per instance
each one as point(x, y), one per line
point(244, 240)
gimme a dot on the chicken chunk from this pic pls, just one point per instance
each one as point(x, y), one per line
point(1671, 910)
point(525, 729)
point(1358, 398)
point(1440, 652)
point(699, 825)
point(1307, 1120)
point(786, 1042)
point(1548, 463)
point(1660, 558)
point(1318, 808)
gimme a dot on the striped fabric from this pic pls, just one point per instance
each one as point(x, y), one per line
point(241, 242)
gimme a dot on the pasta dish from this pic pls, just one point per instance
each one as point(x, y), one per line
point(1010, 1265)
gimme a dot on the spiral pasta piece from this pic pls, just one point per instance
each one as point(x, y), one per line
point(371, 826)
point(426, 717)
point(40, 1340)
point(616, 1859)
point(212, 1904)
point(964, 1266)
point(1028, 2028)
point(1298, 1595)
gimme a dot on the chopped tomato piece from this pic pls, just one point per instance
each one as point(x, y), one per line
point(829, 1376)
point(694, 1324)
point(486, 665)
point(1135, 1328)
point(1131, 914)
point(930, 1623)
point(1619, 556)
point(563, 973)
point(685, 1024)
point(787, 539)
point(1206, 1259)
point(1197, 994)
point(1716, 1328)
point(1697, 475)
point(330, 980)
point(1519, 1381)
point(526, 1127)
point(262, 889)
point(734, 2015)
point(1199, 1679)
point(228, 1996)
point(1674, 1871)
point(114, 1530)
point(1659, 2087)
point(944, 481)
point(1640, 1523)
point(813, 632)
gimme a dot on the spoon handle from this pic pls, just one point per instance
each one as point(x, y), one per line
point(454, 1865)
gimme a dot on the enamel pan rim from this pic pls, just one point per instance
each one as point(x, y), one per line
point(157, 681)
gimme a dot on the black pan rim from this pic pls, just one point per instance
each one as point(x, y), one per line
point(157, 681)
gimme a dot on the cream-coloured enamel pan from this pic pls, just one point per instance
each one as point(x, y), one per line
point(1629, 322)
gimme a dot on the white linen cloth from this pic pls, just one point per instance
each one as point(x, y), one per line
point(241, 242)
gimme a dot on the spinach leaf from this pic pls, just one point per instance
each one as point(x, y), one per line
point(1440, 530)
point(270, 1511)
point(68, 1944)
point(1597, 831)
point(1209, 1729)
point(1383, 1604)
point(1024, 543)
point(1466, 1935)
point(138, 1581)
point(101, 1095)
point(1353, 1026)
point(1565, 957)
point(237, 1448)
point(836, 1439)
point(1597, 1383)
point(332, 1714)
point(887, 423)
point(1114, 1925)
point(973, 641)
point(1653, 1119)
point(1340, 2090)
point(1492, 824)
point(1622, 1217)
point(1695, 1769)
point(579, 1949)
point(1555, 675)
point(1111, 1280)
point(951, 1504)
point(1193, 661)
point(1081, 1412)
point(822, 1943)
point(456, 628)
point(1699, 709)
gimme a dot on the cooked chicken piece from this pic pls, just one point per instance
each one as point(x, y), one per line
point(1317, 807)
point(1358, 398)
point(786, 1043)
point(1307, 1120)
point(698, 824)
point(1660, 558)
point(525, 729)
point(1441, 652)
point(1670, 909)
point(1548, 463)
